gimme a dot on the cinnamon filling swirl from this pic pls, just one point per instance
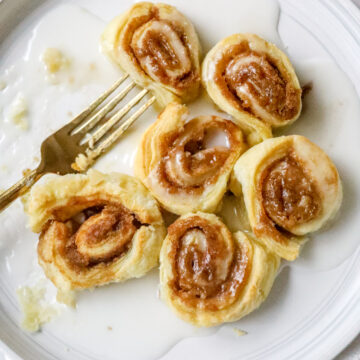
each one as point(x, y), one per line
point(160, 48)
point(188, 162)
point(289, 196)
point(209, 270)
point(100, 233)
point(253, 82)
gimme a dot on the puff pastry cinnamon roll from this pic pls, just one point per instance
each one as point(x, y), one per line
point(95, 229)
point(209, 275)
point(290, 187)
point(187, 164)
point(159, 48)
point(254, 81)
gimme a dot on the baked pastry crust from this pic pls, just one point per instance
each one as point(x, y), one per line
point(95, 228)
point(208, 275)
point(254, 81)
point(174, 162)
point(159, 48)
point(290, 187)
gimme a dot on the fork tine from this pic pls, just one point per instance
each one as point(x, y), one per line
point(109, 141)
point(93, 120)
point(101, 131)
point(84, 114)
point(85, 160)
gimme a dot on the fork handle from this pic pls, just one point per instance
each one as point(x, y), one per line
point(18, 189)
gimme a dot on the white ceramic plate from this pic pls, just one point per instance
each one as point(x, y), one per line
point(313, 310)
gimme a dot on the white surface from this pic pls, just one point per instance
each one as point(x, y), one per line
point(314, 307)
point(352, 352)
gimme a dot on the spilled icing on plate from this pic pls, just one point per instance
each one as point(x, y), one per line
point(129, 318)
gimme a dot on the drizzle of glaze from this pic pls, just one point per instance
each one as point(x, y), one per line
point(89, 75)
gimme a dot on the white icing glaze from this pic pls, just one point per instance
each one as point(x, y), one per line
point(216, 137)
point(132, 309)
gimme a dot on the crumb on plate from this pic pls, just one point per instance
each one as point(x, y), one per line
point(34, 307)
point(54, 60)
point(19, 111)
point(2, 85)
point(66, 297)
point(239, 332)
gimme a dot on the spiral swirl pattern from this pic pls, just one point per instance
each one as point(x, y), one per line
point(289, 195)
point(100, 233)
point(209, 267)
point(207, 272)
point(186, 164)
point(254, 81)
point(290, 187)
point(257, 85)
point(95, 229)
point(159, 49)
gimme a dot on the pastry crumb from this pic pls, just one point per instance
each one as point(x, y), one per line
point(67, 298)
point(3, 85)
point(109, 328)
point(19, 112)
point(90, 140)
point(240, 332)
point(54, 60)
point(26, 172)
point(83, 162)
point(35, 310)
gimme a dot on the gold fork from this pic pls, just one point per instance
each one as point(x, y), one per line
point(60, 150)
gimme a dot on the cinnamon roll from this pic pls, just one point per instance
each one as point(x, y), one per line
point(254, 81)
point(159, 48)
point(290, 188)
point(209, 275)
point(186, 164)
point(94, 229)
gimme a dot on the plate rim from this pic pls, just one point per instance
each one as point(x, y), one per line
point(348, 9)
